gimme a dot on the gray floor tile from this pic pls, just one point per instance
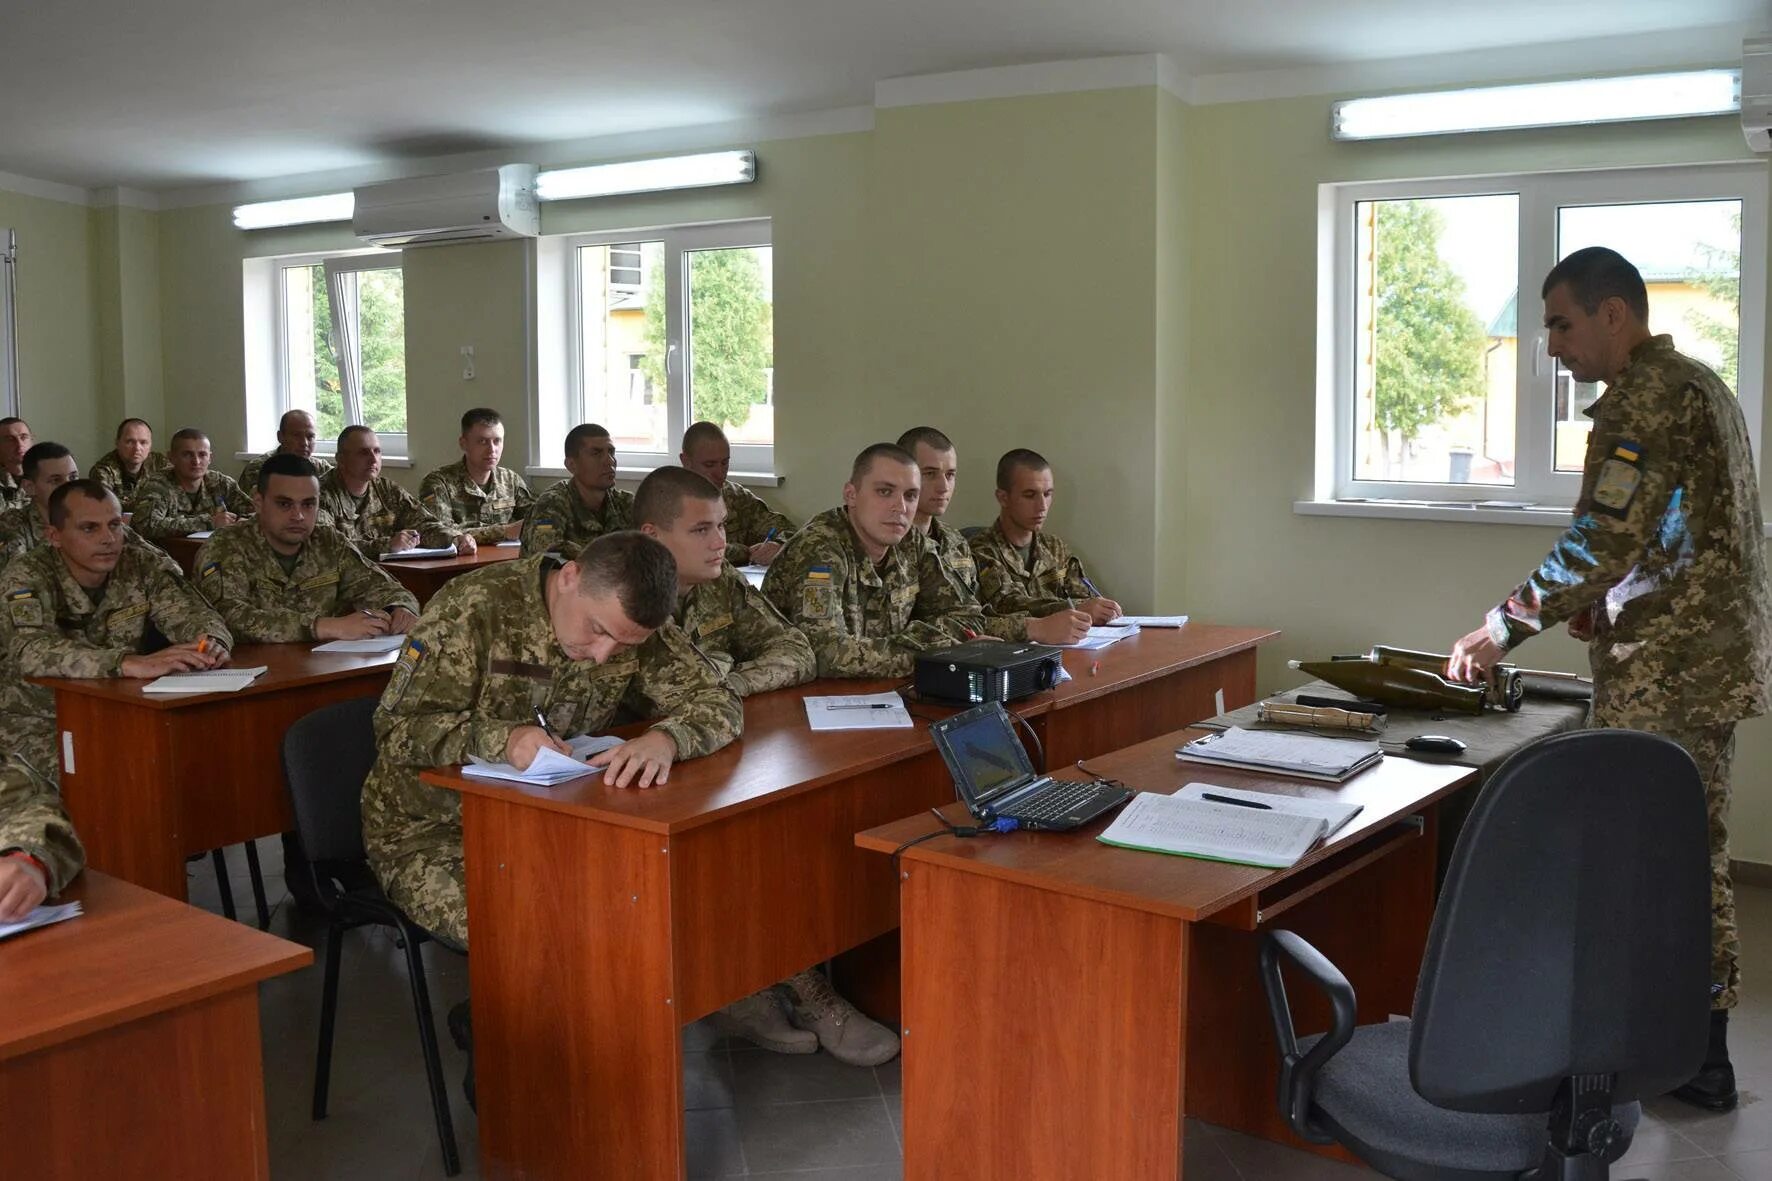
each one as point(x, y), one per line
point(859, 1173)
point(842, 1132)
point(1656, 1140)
point(762, 1078)
point(1253, 1158)
point(707, 1080)
point(712, 1144)
point(891, 1076)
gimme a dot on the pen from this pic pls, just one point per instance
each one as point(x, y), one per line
point(1206, 795)
point(202, 645)
point(542, 721)
point(1090, 586)
point(862, 705)
point(769, 536)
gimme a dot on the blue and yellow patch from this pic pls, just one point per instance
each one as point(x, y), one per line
point(23, 607)
point(1618, 480)
point(412, 654)
point(210, 569)
point(818, 597)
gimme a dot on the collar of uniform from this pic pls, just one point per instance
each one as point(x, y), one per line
point(73, 594)
point(257, 540)
point(870, 574)
point(460, 468)
point(1655, 347)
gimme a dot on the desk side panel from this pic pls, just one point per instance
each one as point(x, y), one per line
point(1135, 713)
point(121, 793)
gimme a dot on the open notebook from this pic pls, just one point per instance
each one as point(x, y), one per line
point(1264, 829)
point(549, 767)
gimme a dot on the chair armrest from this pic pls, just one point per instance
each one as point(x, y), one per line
point(1298, 1073)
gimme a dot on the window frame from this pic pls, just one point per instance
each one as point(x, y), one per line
point(8, 323)
point(1541, 195)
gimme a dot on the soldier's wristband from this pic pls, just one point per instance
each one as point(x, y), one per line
point(28, 859)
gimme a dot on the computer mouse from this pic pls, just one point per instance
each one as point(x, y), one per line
point(1435, 744)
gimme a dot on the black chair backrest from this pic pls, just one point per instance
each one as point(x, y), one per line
point(326, 757)
point(1573, 933)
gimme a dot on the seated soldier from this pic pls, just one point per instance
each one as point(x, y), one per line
point(280, 578)
point(375, 514)
point(474, 493)
point(570, 513)
point(15, 440)
point(39, 853)
point(295, 436)
point(190, 498)
point(47, 467)
point(130, 461)
point(868, 590)
point(938, 464)
point(755, 532)
point(1021, 567)
point(88, 605)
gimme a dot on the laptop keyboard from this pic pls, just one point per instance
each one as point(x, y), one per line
point(1058, 799)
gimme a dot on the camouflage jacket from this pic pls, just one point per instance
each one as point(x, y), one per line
point(738, 629)
point(865, 620)
point(1050, 580)
point(249, 473)
point(110, 472)
point(239, 573)
point(955, 553)
point(748, 521)
point(22, 528)
point(164, 510)
point(385, 509)
point(475, 668)
point(10, 492)
point(32, 820)
point(482, 511)
point(1666, 553)
point(558, 521)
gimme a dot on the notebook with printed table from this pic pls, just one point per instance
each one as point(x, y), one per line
point(1282, 752)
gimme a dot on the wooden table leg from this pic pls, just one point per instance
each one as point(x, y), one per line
point(1044, 1033)
point(120, 792)
point(577, 1038)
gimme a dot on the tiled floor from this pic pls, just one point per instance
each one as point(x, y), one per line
point(752, 1113)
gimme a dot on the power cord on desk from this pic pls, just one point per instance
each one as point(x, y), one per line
point(1001, 824)
point(1039, 747)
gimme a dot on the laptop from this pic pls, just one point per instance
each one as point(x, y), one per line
point(993, 777)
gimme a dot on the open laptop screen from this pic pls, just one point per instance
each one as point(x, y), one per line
point(982, 751)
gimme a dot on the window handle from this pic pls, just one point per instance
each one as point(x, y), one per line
point(1541, 361)
point(670, 364)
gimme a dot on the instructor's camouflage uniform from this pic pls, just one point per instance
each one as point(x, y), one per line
point(475, 668)
point(738, 629)
point(480, 510)
point(266, 603)
point(1666, 561)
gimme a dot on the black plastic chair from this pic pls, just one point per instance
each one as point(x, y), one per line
point(1567, 976)
point(326, 757)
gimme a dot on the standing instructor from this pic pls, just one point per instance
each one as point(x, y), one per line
point(1662, 570)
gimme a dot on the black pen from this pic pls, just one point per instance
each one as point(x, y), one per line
point(542, 721)
point(862, 705)
point(1206, 795)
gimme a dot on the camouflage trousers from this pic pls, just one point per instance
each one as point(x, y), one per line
point(429, 884)
point(1713, 749)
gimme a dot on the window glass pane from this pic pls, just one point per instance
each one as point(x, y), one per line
point(381, 319)
point(312, 372)
point(732, 341)
point(622, 343)
point(1689, 253)
point(1435, 339)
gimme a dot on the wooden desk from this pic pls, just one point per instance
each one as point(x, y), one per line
point(153, 779)
point(424, 577)
point(130, 1043)
point(637, 912)
point(183, 551)
point(1047, 972)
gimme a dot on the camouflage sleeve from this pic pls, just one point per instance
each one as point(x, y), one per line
point(181, 614)
point(544, 526)
point(738, 553)
point(32, 820)
point(998, 588)
point(1630, 486)
point(750, 521)
point(158, 518)
point(39, 648)
point(426, 717)
point(365, 586)
point(813, 602)
point(410, 514)
point(677, 685)
point(771, 653)
point(237, 501)
point(224, 582)
point(1010, 625)
point(435, 494)
point(1073, 582)
point(523, 498)
point(944, 602)
point(249, 474)
point(14, 537)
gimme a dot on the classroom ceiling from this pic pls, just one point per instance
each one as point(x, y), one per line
point(176, 93)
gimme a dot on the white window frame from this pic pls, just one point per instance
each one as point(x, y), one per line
point(1541, 195)
point(753, 462)
point(8, 323)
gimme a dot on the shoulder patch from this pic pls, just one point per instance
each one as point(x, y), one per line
point(210, 569)
point(818, 599)
point(1618, 480)
point(412, 654)
point(24, 608)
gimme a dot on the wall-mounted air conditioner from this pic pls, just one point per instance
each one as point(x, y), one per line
point(481, 206)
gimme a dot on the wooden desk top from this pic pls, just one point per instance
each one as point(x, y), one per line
point(289, 665)
point(132, 954)
point(779, 753)
point(486, 555)
point(1187, 888)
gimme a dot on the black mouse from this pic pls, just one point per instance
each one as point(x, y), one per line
point(1435, 744)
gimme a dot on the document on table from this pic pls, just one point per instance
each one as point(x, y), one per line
point(1101, 637)
point(1332, 812)
point(859, 711)
point(434, 551)
point(369, 645)
point(510, 543)
point(203, 536)
point(754, 575)
point(1283, 752)
point(1149, 621)
point(214, 680)
point(1214, 832)
point(42, 916)
point(549, 766)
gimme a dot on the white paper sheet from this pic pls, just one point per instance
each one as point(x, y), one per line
point(549, 766)
point(367, 645)
point(858, 711)
point(42, 916)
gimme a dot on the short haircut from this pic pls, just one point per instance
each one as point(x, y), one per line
point(702, 432)
point(659, 499)
point(129, 422)
point(1018, 458)
point(928, 436)
point(39, 452)
point(1596, 274)
point(89, 488)
point(480, 416)
point(865, 460)
point(576, 437)
point(345, 436)
point(188, 432)
point(638, 568)
point(284, 464)
point(283, 423)
point(10, 419)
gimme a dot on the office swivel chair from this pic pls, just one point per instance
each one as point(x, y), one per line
point(1566, 977)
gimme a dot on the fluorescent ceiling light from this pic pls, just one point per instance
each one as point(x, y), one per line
point(647, 176)
point(300, 211)
point(1542, 104)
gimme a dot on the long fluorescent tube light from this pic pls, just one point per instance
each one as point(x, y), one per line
point(299, 211)
point(647, 176)
point(1541, 104)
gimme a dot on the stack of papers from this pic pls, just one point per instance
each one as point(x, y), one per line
point(43, 916)
point(754, 575)
point(1101, 637)
point(860, 711)
point(1283, 752)
point(1267, 837)
point(549, 766)
point(435, 551)
point(1149, 621)
point(367, 645)
point(214, 680)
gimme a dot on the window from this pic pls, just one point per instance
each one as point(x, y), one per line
point(662, 328)
point(8, 325)
point(1437, 385)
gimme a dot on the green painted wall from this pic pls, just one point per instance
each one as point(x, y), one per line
point(57, 320)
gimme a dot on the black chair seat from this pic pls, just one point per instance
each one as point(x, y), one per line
point(1364, 1093)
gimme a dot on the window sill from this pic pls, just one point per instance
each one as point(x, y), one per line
point(1551, 516)
point(748, 479)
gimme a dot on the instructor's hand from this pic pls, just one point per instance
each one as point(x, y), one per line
point(1473, 657)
